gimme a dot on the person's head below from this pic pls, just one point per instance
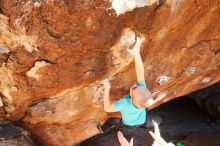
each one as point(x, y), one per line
point(141, 97)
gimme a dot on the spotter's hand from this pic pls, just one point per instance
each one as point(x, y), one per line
point(123, 141)
point(158, 140)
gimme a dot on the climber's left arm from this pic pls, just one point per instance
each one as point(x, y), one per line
point(108, 106)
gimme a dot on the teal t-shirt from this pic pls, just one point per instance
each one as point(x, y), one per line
point(131, 115)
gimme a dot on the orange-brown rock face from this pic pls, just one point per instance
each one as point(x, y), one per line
point(54, 54)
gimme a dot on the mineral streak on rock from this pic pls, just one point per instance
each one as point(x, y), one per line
point(86, 42)
point(163, 79)
point(206, 79)
point(1, 103)
point(4, 49)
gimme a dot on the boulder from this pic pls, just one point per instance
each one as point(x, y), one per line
point(55, 53)
point(11, 135)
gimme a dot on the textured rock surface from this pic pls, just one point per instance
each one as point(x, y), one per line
point(83, 42)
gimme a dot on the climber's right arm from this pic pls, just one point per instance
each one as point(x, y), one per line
point(108, 106)
point(139, 66)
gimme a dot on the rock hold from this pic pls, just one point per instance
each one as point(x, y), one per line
point(33, 72)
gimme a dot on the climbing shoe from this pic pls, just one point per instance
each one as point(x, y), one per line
point(98, 124)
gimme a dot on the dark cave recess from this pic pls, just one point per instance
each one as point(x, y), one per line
point(209, 99)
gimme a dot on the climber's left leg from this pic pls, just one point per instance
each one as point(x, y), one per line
point(110, 123)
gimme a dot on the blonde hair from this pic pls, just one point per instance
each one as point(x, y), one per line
point(141, 96)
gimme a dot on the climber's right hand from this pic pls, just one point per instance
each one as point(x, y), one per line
point(136, 49)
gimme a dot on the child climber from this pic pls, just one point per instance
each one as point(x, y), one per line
point(132, 106)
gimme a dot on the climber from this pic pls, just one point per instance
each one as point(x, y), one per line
point(133, 107)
